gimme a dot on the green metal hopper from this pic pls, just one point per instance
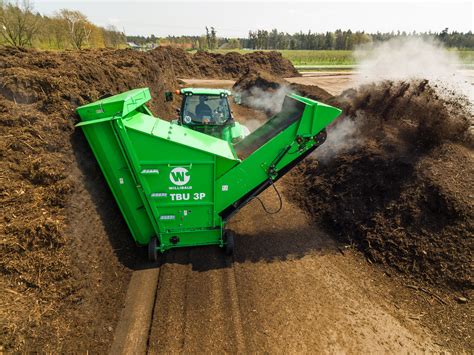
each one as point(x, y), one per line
point(177, 187)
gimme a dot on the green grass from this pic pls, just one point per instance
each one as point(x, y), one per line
point(467, 56)
point(336, 57)
point(306, 57)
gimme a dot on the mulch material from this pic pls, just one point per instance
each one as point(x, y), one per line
point(403, 191)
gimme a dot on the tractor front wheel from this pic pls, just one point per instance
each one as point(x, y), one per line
point(152, 249)
point(229, 241)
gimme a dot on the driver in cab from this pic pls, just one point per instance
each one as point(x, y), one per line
point(203, 110)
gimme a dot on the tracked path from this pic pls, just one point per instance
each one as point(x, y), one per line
point(287, 289)
point(197, 306)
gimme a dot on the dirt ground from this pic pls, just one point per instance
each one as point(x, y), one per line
point(332, 81)
point(289, 288)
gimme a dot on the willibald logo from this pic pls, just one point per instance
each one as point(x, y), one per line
point(179, 176)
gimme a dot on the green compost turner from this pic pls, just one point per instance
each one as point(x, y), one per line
point(177, 187)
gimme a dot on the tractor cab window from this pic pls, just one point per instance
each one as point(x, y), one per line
point(202, 109)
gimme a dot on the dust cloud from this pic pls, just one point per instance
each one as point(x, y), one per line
point(343, 136)
point(253, 124)
point(397, 60)
point(413, 59)
point(269, 101)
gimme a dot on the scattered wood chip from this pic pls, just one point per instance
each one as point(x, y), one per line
point(417, 288)
point(461, 299)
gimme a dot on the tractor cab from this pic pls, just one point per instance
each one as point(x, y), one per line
point(208, 111)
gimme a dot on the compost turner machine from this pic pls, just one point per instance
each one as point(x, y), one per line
point(176, 186)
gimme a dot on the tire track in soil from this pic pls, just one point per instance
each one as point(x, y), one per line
point(196, 305)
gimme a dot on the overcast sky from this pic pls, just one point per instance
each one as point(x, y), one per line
point(235, 19)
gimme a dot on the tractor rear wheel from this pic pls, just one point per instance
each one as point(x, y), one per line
point(152, 249)
point(229, 241)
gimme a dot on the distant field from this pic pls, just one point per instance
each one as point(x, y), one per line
point(467, 57)
point(305, 57)
point(335, 57)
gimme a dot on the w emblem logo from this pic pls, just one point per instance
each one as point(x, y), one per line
point(179, 176)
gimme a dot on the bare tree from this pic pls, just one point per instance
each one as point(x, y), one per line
point(213, 38)
point(208, 38)
point(58, 29)
point(18, 24)
point(79, 28)
point(113, 37)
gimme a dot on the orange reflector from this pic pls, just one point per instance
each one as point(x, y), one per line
point(178, 92)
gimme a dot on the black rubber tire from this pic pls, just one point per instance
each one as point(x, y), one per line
point(229, 237)
point(152, 249)
point(106, 95)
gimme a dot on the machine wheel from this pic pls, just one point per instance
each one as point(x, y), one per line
point(229, 241)
point(152, 249)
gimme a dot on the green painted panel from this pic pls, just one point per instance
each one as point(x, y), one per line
point(118, 105)
point(180, 135)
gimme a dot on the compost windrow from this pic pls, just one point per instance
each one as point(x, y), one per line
point(66, 247)
point(396, 179)
point(231, 65)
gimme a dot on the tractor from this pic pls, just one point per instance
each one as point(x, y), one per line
point(208, 111)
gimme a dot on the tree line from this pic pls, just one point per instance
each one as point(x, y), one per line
point(20, 26)
point(208, 41)
point(339, 39)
